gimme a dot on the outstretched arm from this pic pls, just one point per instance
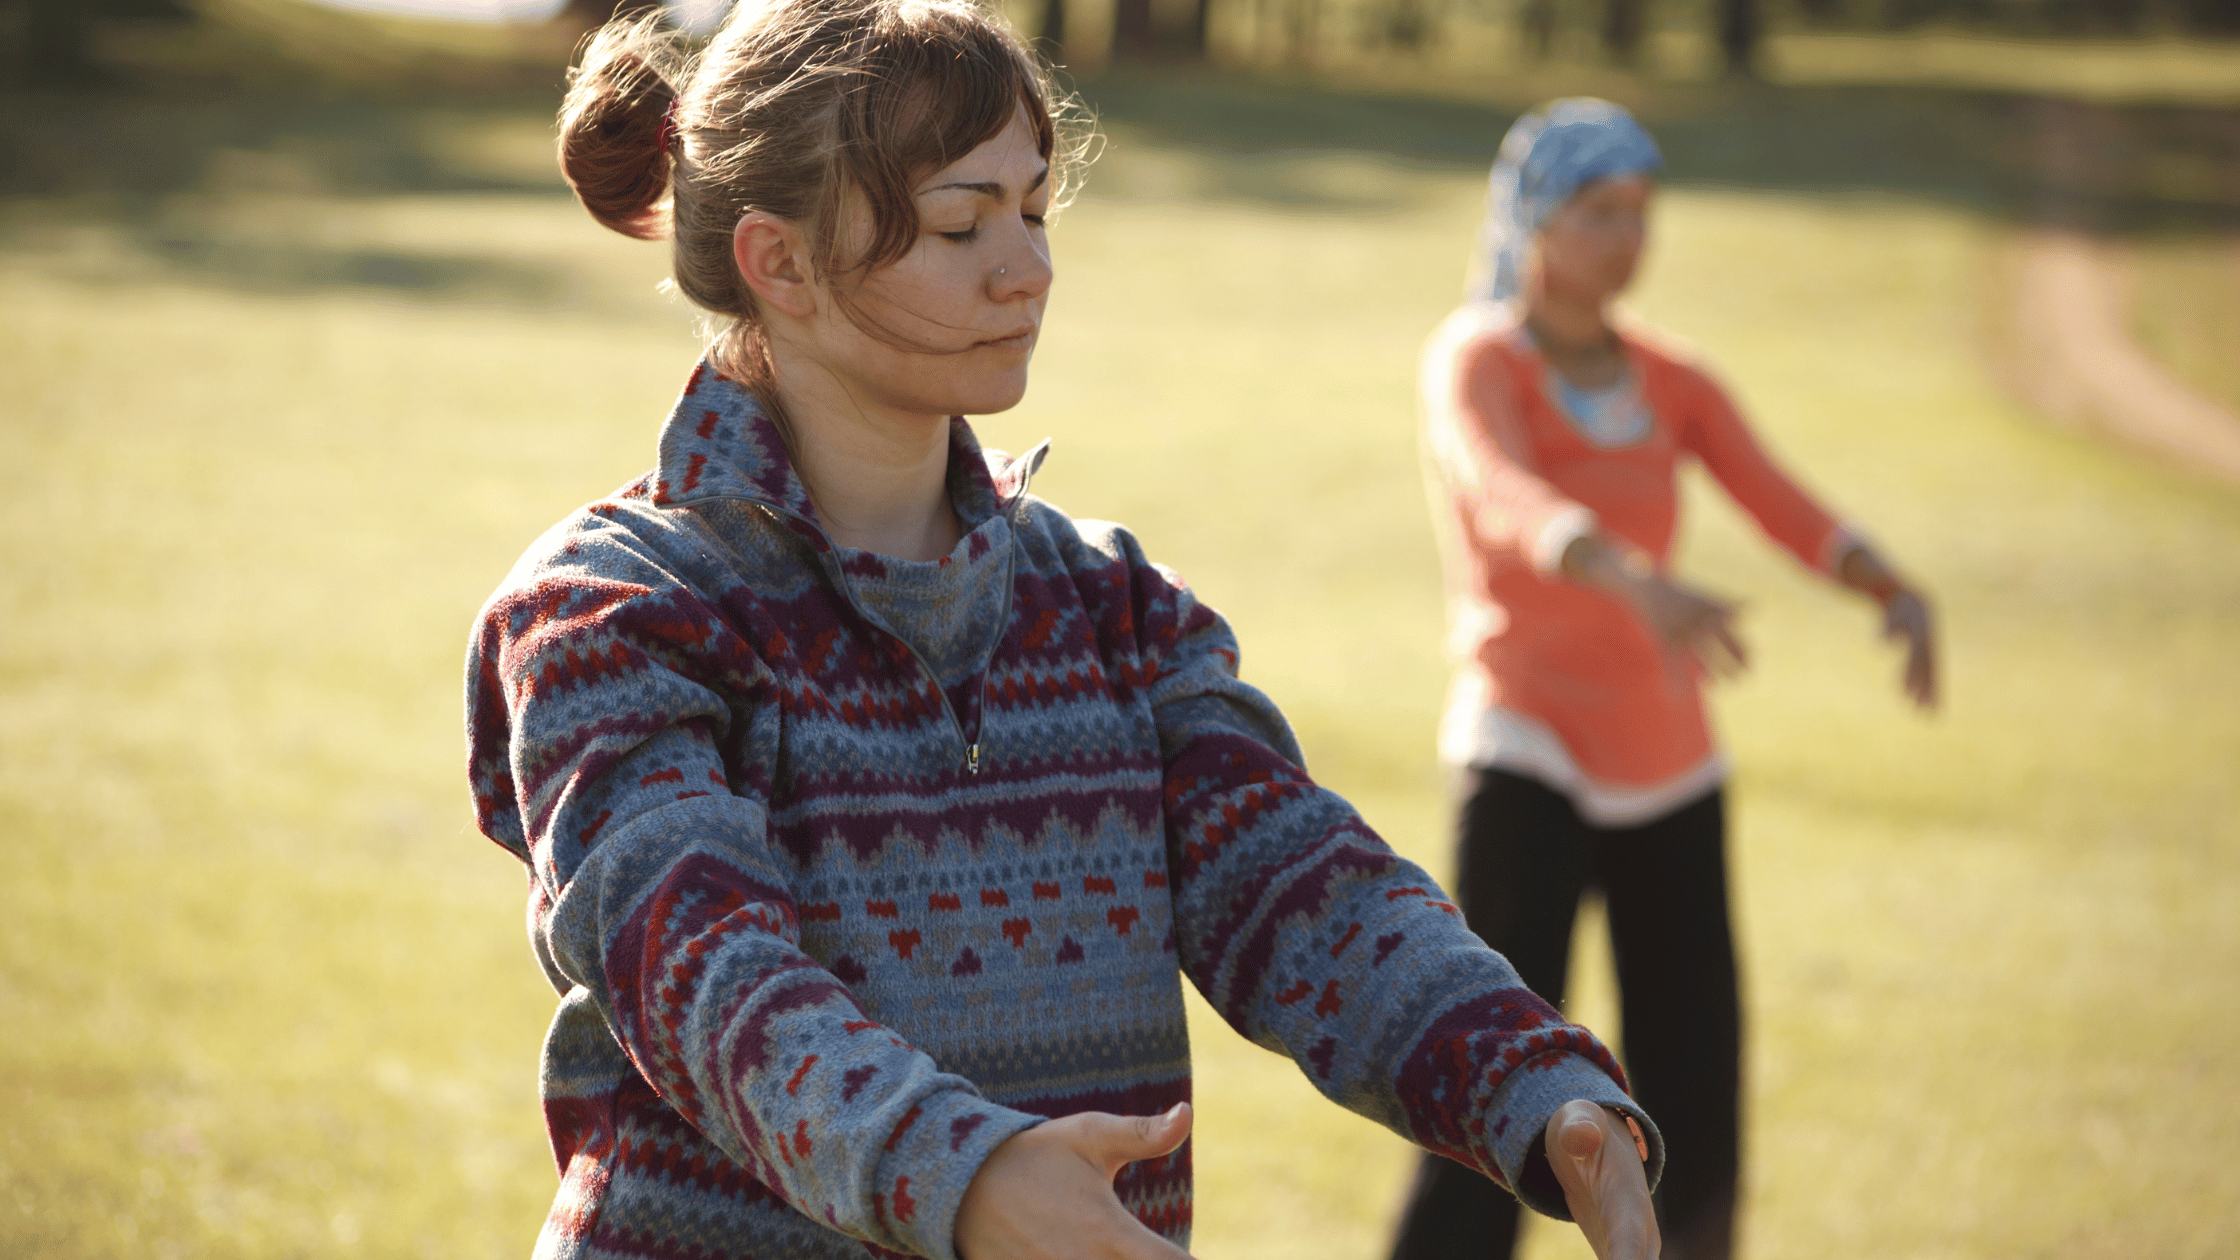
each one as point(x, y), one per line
point(1477, 446)
point(1717, 435)
point(1312, 938)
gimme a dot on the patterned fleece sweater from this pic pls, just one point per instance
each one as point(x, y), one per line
point(847, 868)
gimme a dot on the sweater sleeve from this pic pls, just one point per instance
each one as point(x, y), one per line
point(1716, 434)
point(620, 732)
point(1313, 939)
point(1476, 440)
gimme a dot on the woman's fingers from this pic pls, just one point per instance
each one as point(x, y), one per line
point(1117, 1141)
point(1907, 617)
point(1046, 1193)
point(1720, 629)
point(1696, 623)
point(1710, 634)
point(1579, 1136)
point(1921, 672)
point(1604, 1184)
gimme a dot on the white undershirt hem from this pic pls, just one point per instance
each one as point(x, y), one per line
point(1485, 737)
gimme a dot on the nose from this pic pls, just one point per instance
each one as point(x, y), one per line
point(1023, 270)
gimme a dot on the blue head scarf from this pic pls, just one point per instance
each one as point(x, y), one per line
point(1549, 154)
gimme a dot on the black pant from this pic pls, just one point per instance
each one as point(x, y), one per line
point(1527, 858)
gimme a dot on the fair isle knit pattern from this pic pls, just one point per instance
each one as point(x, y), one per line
point(847, 868)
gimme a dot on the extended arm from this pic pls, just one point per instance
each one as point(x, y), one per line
point(1789, 516)
point(1312, 938)
point(1476, 441)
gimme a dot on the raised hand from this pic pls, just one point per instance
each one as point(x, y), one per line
point(1595, 1159)
point(1046, 1193)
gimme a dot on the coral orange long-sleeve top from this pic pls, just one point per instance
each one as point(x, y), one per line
point(1555, 678)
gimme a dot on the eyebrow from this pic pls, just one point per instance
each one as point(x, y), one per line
point(988, 188)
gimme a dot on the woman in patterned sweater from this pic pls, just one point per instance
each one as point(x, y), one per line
point(1555, 431)
point(873, 809)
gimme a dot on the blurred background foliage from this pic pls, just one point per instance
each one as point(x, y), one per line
point(303, 340)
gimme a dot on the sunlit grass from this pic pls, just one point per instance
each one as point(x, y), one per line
point(2185, 311)
point(270, 992)
point(2129, 69)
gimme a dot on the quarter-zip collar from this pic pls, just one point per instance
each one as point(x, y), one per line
point(718, 444)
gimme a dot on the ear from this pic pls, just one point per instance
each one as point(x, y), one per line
point(772, 255)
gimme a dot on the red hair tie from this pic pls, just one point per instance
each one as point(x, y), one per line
point(668, 127)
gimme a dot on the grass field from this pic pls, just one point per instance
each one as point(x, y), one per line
point(2185, 310)
point(276, 420)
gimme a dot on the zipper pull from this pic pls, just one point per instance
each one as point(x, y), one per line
point(972, 758)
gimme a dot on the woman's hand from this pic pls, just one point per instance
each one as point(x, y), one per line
point(1698, 624)
point(1905, 617)
point(1592, 1153)
point(1046, 1192)
point(1687, 619)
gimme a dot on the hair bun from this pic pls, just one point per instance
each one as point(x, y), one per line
point(616, 125)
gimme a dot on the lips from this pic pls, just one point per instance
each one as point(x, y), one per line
point(1017, 339)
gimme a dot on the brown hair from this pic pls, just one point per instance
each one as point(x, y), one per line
point(793, 105)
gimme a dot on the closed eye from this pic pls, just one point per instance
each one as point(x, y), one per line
point(966, 237)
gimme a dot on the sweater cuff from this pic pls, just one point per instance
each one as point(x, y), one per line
point(1840, 542)
point(930, 1162)
point(1526, 1101)
point(1555, 536)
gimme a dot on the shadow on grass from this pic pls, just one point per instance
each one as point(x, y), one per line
point(161, 173)
point(137, 146)
point(288, 271)
point(2162, 169)
point(130, 158)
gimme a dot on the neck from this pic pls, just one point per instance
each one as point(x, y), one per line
point(879, 476)
point(1574, 335)
point(1568, 325)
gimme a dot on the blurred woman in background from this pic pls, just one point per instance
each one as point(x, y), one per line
point(1555, 430)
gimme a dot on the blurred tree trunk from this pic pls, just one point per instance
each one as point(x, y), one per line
point(1136, 36)
point(50, 42)
point(1053, 31)
point(1132, 36)
point(1306, 31)
point(1536, 26)
point(593, 14)
point(1194, 35)
point(1267, 38)
point(1741, 28)
point(1403, 26)
point(2210, 17)
point(1622, 22)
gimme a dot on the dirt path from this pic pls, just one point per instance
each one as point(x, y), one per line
point(2077, 358)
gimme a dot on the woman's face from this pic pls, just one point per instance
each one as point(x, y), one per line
point(966, 300)
point(1589, 248)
